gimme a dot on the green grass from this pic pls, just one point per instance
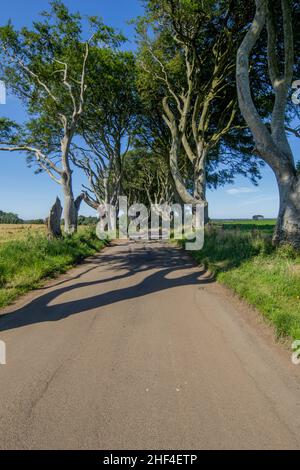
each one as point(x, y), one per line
point(245, 225)
point(244, 259)
point(25, 263)
point(253, 223)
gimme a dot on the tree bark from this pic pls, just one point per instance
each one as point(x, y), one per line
point(53, 222)
point(78, 202)
point(200, 182)
point(70, 212)
point(93, 203)
point(288, 223)
point(199, 190)
point(273, 147)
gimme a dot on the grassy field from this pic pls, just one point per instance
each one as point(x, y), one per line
point(245, 225)
point(242, 257)
point(9, 232)
point(27, 257)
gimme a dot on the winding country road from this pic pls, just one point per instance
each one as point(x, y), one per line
point(138, 348)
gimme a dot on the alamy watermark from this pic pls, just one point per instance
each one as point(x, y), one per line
point(2, 353)
point(296, 354)
point(137, 222)
point(2, 92)
point(296, 94)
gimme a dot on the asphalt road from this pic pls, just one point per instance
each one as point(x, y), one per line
point(139, 349)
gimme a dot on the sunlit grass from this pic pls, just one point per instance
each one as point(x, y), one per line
point(26, 261)
point(10, 232)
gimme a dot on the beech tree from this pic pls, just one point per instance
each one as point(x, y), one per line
point(147, 179)
point(293, 125)
point(47, 68)
point(109, 126)
point(233, 156)
point(189, 56)
point(271, 140)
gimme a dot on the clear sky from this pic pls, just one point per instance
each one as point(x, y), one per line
point(31, 195)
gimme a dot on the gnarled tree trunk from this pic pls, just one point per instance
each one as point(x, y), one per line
point(71, 206)
point(200, 182)
point(288, 223)
point(53, 222)
point(199, 194)
point(273, 147)
point(70, 212)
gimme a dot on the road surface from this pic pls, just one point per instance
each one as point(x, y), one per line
point(138, 348)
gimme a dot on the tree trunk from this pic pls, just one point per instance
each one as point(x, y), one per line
point(53, 222)
point(78, 202)
point(273, 147)
point(288, 223)
point(200, 188)
point(70, 211)
point(199, 180)
point(93, 203)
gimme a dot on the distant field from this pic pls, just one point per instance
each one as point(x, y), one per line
point(245, 221)
point(265, 226)
point(9, 232)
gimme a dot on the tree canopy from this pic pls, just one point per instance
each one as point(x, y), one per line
point(166, 122)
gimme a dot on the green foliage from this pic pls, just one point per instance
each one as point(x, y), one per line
point(146, 178)
point(25, 263)
point(34, 222)
point(42, 65)
point(110, 120)
point(207, 35)
point(9, 218)
point(9, 131)
point(228, 247)
point(83, 220)
point(248, 225)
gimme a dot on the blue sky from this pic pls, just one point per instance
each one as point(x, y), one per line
point(31, 195)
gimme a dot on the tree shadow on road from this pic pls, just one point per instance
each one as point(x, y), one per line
point(163, 269)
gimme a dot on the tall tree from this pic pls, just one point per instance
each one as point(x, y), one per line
point(271, 139)
point(47, 68)
point(9, 218)
point(109, 125)
point(147, 178)
point(189, 56)
point(293, 123)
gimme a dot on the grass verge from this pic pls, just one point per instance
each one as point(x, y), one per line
point(25, 263)
point(265, 277)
